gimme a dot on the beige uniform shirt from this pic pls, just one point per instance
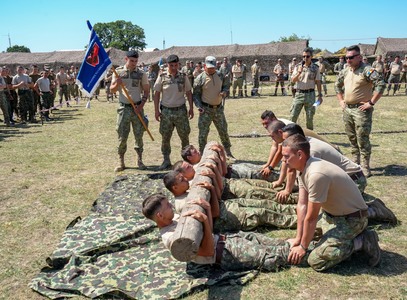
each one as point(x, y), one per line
point(330, 186)
point(211, 89)
point(255, 70)
point(134, 82)
point(308, 76)
point(378, 66)
point(173, 89)
point(395, 68)
point(237, 71)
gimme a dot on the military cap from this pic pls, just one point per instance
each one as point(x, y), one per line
point(132, 53)
point(256, 60)
point(172, 59)
point(187, 61)
point(210, 62)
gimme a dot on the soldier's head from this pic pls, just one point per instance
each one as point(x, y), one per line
point(353, 58)
point(342, 58)
point(307, 55)
point(294, 60)
point(291, 129)
point(321, 58)
point(397, 58)
point(20, 70)
point(156, 207)
point(185, 168)
point(296, 151)
point(190, 154)
point(379, 58)
point(210, 65)
point(275, 131)
point(131, 59)
point(173, 64)
point(176, 183)
point(267, 117)
point(279, 61)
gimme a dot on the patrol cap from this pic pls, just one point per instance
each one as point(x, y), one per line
point(132, 53)
point(210, 62)
point(172, 59)
point(256, 60)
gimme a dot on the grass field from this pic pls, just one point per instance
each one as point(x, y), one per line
point(52, 173)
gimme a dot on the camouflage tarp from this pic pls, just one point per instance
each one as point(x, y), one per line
point(116, 253)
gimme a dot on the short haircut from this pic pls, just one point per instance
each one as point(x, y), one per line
point(170, 179)
point(152, 204)
point(268, 114)
point(177, 166)
point(186, 151)
point(275, 126)
point(353, 48)
point(309, 50)
point(292, 129)
point(297, 142)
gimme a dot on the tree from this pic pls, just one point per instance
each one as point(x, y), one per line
point(17, 48)
point(291, 38)
point(121, 35)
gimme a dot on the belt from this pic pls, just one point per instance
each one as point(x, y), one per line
point(238, 77)
point(45, 92)
point(129, 105)
point(356, 214)
point(63, 84)
point(183, 106)
point(211, 106)
point(356, 176)
point(219, 248)
point(306, 91)
point(354, 105)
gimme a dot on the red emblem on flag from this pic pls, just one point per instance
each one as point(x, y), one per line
point(93, 57)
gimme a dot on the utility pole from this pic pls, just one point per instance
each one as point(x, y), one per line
point(9, 40)
point(163, 43)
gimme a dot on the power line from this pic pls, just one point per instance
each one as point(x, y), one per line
point(343, 40)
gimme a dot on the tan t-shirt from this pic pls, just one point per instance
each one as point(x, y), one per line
point(237, 71)
point(134, 82)
point(211, 89)
point(172, 88)
point(167, 234)
point(357, 88)
point(308, 76)
point(180, 202)
point(395, 68)
point(326, 152)
point(329, 185)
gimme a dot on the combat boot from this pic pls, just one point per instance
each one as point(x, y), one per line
point(229, 154)
point(378, 211)
point(356, 158)
point(166, 163)
point(120, 167)
point(366, 166)
point(245, 94)
point(371, 247)
point(140, 163)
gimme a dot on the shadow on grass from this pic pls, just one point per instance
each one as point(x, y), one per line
point(390, 170)
point(392, 264)
point(65, 115)
point(15, 131)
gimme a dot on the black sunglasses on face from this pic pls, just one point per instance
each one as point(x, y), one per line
point(351, 57)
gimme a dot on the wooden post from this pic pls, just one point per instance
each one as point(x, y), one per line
point(189, 232)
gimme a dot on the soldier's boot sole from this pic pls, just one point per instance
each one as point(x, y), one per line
point(371, 247)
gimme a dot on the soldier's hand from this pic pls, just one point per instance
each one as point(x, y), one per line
point(276, 184)
point(191, 113)
point(282, 196)
point(201, 110)
point(342, 104)
point(158, 116)
point(201, 202)
point(296, 255)
point(196, 214)
point(265, 172)
point(365, 106)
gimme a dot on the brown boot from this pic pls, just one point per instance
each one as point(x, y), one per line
point(120, 167)
point(229, 155)
point(380, 212)
point(140, 163)
point(366, 166)
point(356, 158)
point(371, 247)
point(166, 163)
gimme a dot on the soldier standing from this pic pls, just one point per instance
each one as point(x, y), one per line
point(22, 82)
point(378, 65)
point(42, 87)
point(354, 88)
point(172, 111)
point(255, 77)
point(291, 67)
point(279, 71)
point(237, 73)
point(339, 66)
point(394, 77)
point(3, 100)
point(189, 71)
point(322, 70)
point(210, 88)
point(62, 82)
point(403, 76)
point(136, 83)
point(35, 75)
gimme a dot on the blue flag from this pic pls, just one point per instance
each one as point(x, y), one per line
point(94, 66)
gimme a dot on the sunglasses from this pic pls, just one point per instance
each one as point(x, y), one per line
point(351, 57)
point(306, 56)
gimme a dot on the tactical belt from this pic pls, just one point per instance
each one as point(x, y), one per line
point(183, 106)
point(219, 248)
point(356, 176)
point(20, 92)
point(356, 214)
point(45, 92)
point(211, 106)
point(306, 91)
point(129, 105)
point(354, 105)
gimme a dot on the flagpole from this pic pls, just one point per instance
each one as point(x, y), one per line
point(126, 92)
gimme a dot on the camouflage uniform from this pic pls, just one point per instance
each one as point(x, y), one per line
point(394, 77)
point(248, 214)
point(213, 111)
point(279, 71)
point(36, 97)
point(305, 97)
point(62, 81)
point(322, 70)
point(244, 75)
point(25, 101)
point(4, 106)
point(358, 124)
point(255, 75)
point(249, 171)
point(134, 82)
point(403, 76)
point(237, 71)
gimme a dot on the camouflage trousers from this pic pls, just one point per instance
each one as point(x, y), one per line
point(46, 102)
point(4, 106)
point(249, 250)
point(63, 92)
point(249, 171)
point(237, 83)
point(323, 82)
point(358, 125)
point(248, 214)
point(336, 244)
point(361, 183)
point(25, 105)
point(170, 119)
point(255, 82)
point(251, 188)
point(305, 100)
point(393, 79)
point(125, 117)
point(217, 116)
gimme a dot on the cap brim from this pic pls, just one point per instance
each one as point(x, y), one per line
point(210, 65)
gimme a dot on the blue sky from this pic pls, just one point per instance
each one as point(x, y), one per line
point(44, 25)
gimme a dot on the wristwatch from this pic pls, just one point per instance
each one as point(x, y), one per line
point(270, 168)
point(371, 103)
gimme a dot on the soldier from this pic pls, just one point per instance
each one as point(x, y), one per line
point(210, 88)
point(322, 64)
point(339, 66)
point(279, 70)
point(71, 83)
point(152, 77)
point(22, 82)
point(306, 75)
point(62, 83)
point(10, 94)
point(108, 82)
point(256, 70)
point(325, 186)
point(378, 65)
point(189, 71)
point(172, 112)
point(291, 67)
point(52, 78)
point(3, 100)
point(237, 74)
point(136, 83)
point(42, 88)
point(35, 75)
point(354, 88)
point(403, 76)
point(395, 68)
